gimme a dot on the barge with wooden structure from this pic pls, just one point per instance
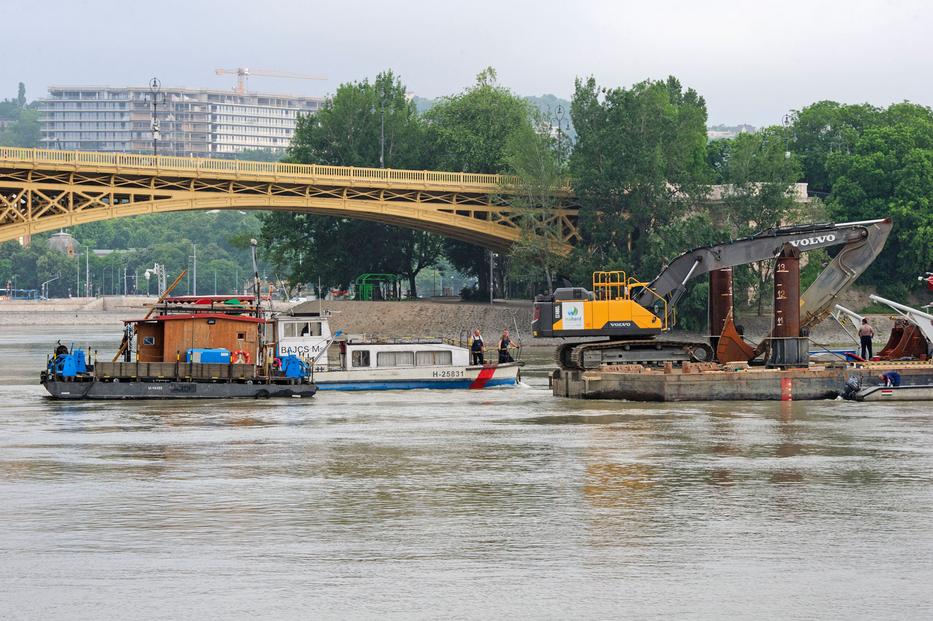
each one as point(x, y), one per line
point(187, 347)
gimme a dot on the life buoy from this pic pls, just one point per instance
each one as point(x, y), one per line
point(239, 357)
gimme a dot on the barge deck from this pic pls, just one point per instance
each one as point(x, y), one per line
point(714, 382)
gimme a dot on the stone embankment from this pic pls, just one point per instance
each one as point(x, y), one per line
point(440, 317)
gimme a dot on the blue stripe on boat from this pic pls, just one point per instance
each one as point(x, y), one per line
point(408, 384)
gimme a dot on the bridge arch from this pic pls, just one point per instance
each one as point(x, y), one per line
point(43, 190)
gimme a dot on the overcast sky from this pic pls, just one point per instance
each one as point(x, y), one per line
point(752, 61)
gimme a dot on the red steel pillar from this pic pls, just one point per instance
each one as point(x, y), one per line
point(787, 293)
point(788, 348)
point(720, 302)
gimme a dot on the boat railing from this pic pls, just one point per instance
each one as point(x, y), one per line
point(367, 339)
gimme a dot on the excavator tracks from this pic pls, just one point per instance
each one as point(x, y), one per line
point(585, 356)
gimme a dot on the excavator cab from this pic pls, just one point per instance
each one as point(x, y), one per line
point(607, 310)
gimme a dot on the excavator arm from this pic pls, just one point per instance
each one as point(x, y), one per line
point(861, 241)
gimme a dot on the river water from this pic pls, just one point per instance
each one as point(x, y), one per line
point(448, 504)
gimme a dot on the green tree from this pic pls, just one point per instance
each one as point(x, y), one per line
point(259, 155)
point(759, 173)
point(23, 131)
point(825, 128)
point(470, 132)
point(639, 166)
point(363, 124)
point(888, 172)
point(871, 162)
point(537, 179)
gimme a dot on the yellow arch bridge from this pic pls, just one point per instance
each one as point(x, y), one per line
point(43, 190)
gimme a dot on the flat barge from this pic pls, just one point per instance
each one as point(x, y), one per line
point(162, 380)
point(715, 382)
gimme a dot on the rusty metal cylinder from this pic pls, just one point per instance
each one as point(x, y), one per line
point(720, 302)
point(787, 293)
point(788, 347)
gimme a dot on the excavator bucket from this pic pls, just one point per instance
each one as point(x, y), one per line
point(906, 341)
point(732, 347)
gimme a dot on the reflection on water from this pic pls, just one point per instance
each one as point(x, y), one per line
point(459, 504)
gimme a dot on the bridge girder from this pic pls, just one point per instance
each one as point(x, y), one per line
point(47, 190)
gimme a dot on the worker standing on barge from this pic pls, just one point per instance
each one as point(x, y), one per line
point(865, 333)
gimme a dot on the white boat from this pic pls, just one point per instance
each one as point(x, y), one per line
point(353, 363)
point(919, 392)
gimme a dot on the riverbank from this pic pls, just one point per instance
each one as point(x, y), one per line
point(436, 317)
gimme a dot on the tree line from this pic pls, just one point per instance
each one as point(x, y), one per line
point(220, 239)
point(641, 166)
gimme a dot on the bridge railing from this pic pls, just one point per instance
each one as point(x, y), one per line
point(171, 163)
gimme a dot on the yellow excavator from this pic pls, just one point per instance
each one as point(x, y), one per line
point(630, 314)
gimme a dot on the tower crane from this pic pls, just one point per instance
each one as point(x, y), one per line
point(243, 73)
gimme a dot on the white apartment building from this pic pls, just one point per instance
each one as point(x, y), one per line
point(192, 122)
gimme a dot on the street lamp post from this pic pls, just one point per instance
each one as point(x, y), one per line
point(193, 275)
point(159, 272)
point(382, 127)
point(155, 86)
point(44, 288)
point(382, 130)
point(492, 263)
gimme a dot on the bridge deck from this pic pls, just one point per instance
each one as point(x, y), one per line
point(201, 168)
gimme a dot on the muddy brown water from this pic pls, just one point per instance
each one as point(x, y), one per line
point(449, 504)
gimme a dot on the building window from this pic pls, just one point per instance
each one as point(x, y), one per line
point(360, 358)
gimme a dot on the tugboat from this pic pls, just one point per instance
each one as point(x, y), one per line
point(350, 363)
point(188, 347)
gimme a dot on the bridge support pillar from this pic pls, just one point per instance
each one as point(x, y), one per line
point(788, 347)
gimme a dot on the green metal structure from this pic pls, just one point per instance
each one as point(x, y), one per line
point(371, 287)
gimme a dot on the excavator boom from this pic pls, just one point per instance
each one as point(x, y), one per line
point(862, 243)
point(630, 313)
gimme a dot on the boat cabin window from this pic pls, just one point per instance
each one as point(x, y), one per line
point(298, 329)
point(434, 358)
point(360, 358)
point(395, 359)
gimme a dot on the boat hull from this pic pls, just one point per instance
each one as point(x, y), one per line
point(462, 378)
point(97, 390)
point(897, 393)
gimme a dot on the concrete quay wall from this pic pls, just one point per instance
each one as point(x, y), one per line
point(817, 382)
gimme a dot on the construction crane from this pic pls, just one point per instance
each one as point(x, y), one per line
point(243, 73)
